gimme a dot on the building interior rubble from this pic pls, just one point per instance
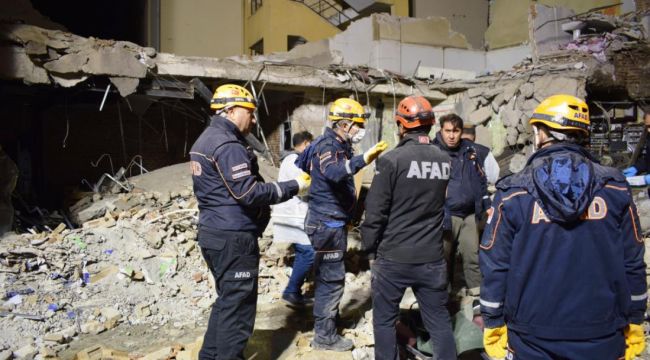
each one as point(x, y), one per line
point(101, 104)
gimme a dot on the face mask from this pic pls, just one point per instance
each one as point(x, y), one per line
point(358, 136)
point(535, 141)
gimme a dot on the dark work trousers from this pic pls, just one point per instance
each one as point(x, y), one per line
point(429, 283)
point(528, 347)
point(233, 258)
point(330, 240)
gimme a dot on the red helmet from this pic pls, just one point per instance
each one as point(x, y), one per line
point(414, 111)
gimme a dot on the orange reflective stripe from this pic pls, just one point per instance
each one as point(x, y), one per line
point(496, 226)
point(636, 232)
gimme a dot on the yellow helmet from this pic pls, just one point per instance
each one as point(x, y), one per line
point(562, 113)
point(232, 95)
point(348, 109)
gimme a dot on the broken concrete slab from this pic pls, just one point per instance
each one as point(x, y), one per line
point(111, 316)
point(68, 63)
point(116, 62)
point(125, 85)
point(527, 90)
point(27, 352)
point(481, 115)
point(17, 65)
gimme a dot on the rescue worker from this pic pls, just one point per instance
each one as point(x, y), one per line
point(233, 211)
point(331, 163)
point(289, 225)
point(642, 164)
point(562, 254)
point(467, 200)
point(490, 164)
point(403, 227)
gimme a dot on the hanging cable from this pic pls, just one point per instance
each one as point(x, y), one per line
point(67, 122)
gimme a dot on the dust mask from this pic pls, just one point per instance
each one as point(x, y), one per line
point(358, 136)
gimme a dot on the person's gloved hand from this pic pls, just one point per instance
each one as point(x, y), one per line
point(304, 182)
point(647, 179)
point(372, 153)
point(634, 341)
point(495, 341)
point(631, 171)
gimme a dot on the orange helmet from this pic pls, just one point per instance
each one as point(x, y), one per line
point(414, 111)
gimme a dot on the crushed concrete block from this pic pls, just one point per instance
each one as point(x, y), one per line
point(17, 65)
point(546, 86)
point(154, 237)
point(511, 118)
point(99, 352)
point(125, 85)
point(104, 222)
point(67, 64)
point(114, 61)
point(161, 354)
point(47, 352)
point(54, 338)
point(92, 211)
point(26, 352)
point(529, 105)
point(483, 136)
point(92, 327)
point(523, 138)
point(481, 115)
point(112, 317)
point(497, 102)
point(527, 90)
point(475, 92)
point(517, 163)
point(5, 354)
point(510, 89)
point(512, 136)
point(142, 311)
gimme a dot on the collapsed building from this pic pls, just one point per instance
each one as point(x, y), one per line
point(84, 116)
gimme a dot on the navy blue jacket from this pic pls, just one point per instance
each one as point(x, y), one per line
point(467, 190)
point(331, 164)
point(231, 193)
point(562, 254)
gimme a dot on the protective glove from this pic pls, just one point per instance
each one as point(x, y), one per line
point(495, 341)
point(372, 153)
point(631, 171)
point(304, 182)
point(647, 179)
point(634, 341)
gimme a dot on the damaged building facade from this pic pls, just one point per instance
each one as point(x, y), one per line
point(87, 121)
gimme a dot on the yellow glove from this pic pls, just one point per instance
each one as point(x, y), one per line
point(495, 341)
point(304, 182)
point(634, 341)
point(372, 153)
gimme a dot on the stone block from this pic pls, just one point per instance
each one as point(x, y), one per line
point(481, 115)
point(26, 352)
point(111, 316)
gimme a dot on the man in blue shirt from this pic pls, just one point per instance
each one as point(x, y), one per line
point(330, 161)
point(233, 211)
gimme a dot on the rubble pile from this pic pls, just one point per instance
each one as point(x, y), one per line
point(597, 34)
point(501, 110)
point(133, 261)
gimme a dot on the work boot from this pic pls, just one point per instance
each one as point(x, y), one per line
point(341, 344)
point(296, 300)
